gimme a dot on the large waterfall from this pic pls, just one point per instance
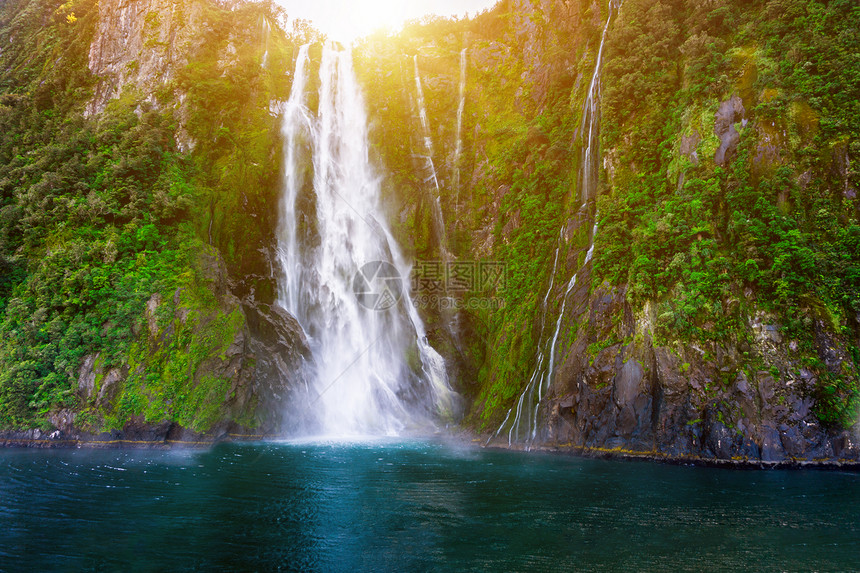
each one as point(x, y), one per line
point(343, 275)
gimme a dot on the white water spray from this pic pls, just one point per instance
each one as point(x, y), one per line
point(297, 128)
point(363, 383)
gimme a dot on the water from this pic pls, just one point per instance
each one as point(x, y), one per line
point(440, 229)
point(266, 34)
point(522, 420)
point(297, 128)
point(590, 137)
point(342, 274)
point(461, 106)
point(425, 127)
point(523, 427)
point(413, 506)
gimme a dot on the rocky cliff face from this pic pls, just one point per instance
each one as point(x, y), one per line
point(620, 389)
point(689, 335)
point(141, 44)
point(718, 318)
point(210, 354)
point(236, 364)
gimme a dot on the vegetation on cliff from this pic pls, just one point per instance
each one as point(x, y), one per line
point(729, 191)
point(727, 197)
point(99, 213)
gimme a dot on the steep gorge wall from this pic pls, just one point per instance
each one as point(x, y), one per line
point(718, 315)
point(718, 318)
point(142, 146)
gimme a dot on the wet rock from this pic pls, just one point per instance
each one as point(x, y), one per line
point(718, 438)
point(792, 441)
point(151, 319)
point(745, 397)
point(64, 421)
point(87, 377)
point(110, 386)
point(139, 430)
point(771, 446)
point(845, 446)
point(689, 144)
point(766, 391)
point(628, 383)
point(730, 112)
point(281, 355)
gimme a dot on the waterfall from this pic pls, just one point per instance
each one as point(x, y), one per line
point(591, 117)
point(458, 150)
point(297, 128)
point(425, 127)
point(524, 426)
point(266, 35)
point(436, 203)
point(514, 433)
point(342, 273)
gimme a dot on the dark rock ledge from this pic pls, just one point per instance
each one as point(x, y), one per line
point(623, 454)
point(135, 434)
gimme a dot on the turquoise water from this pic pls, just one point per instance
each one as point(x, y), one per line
point(412, 506)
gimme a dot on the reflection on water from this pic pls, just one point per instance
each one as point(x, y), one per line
point(412, 506)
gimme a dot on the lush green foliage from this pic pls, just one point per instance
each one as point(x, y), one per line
point(98, 214)
point(776, 227)
point(773, 229)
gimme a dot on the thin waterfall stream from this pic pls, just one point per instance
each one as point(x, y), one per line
point(461, 106)
point(591, 116)
point(523, 426)
point(343, 275)
point(436, 202)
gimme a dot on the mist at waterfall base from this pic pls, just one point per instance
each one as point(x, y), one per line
point(412, 506)
point(373, 371)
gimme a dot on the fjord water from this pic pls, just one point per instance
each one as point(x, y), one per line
point(412, 506)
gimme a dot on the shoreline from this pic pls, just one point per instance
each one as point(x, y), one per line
point(19, 440)
point(627, 455)
point(27, 440)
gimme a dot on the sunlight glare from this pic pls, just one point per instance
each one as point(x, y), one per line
point(347, 20)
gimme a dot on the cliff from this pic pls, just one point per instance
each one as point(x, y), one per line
point(137, 298)
point(692, 293)
point(645, 215)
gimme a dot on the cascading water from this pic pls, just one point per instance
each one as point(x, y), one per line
point(591, 118)
point(436, 203)
point(342, 273)
point(266, 35)
point(297, 128)
point(524, 424)
point(526, 399)
point(425, 127)
point(458, 150)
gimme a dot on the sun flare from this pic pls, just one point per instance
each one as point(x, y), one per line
point(346, 20)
